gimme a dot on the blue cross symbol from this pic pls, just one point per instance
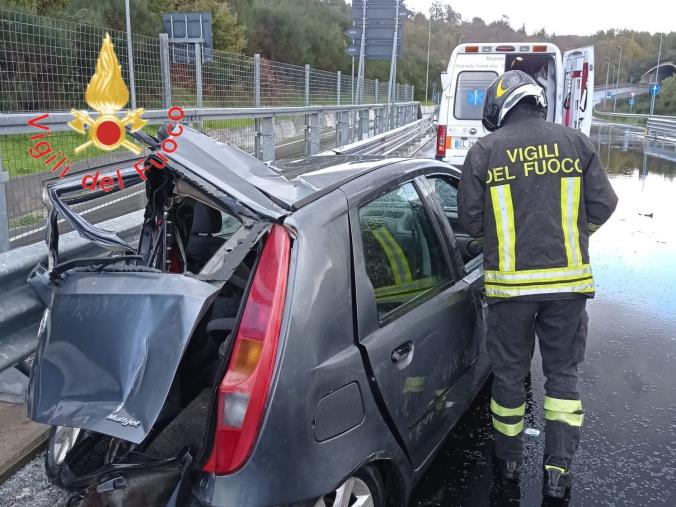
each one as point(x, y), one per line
point(476, 97)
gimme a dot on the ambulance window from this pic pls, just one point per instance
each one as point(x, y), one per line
point(470, 91)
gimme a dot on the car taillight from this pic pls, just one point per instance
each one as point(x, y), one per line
point(243, 392)
point(441, 141)
point(540, 48)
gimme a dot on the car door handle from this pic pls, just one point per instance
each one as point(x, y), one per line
point(402, 354)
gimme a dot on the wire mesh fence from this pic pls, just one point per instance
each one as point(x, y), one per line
point(46, 65)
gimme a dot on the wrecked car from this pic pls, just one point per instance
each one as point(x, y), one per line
point(302, 333)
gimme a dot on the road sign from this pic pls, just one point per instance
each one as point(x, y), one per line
point(189, 27)
point(654, 89)
point(380, 24)
point(609, 95)
point(632, 101)
point(633, 94)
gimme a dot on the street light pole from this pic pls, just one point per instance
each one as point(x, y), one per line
point(429, 38)
point(605, 94)
point(617, 81)
point(657, 77)
point(130, 55)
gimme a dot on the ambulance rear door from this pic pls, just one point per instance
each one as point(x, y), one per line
point(578, 89)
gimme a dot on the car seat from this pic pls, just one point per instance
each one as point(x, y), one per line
point(202, 243)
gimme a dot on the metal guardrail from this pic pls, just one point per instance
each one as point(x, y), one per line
point(277, 132)
point(386, 143)
point(661, 127)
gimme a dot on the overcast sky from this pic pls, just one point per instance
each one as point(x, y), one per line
point(581, 17)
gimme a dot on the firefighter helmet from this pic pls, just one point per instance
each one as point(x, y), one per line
point(506, 92)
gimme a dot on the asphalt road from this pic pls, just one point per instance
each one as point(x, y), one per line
point(628, 446)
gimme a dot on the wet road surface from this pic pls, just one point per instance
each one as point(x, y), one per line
point(627, 453)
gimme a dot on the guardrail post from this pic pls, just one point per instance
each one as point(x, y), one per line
point(342, 128)
point(165, 70)
point(312, 131)
point(363, 124)
point(4, 215)
point(268, 138)
point(198, 72)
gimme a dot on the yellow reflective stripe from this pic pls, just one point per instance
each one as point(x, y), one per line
point(414, 286)
point(503, 209)
point(561, 405)
point(570, 419)
point(511, 430)
point(498, 409)
point(570, 205)
point(498, 291)
point(539, 275)
point(406, 291)
point(398, 261)
point(552, 467)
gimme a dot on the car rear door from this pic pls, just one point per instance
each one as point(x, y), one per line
point(578, 89)
point(414, 314)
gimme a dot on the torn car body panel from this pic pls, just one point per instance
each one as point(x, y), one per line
point(110, 348)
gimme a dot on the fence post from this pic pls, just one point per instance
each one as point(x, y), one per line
point(412, 93)
point(4, 215)
point(311, 123)
point(165, 69)
point(307, 85)
point(338, 79)
point(198, 72)
point(376, 95)
point(258, 147)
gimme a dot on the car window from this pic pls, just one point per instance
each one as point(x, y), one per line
point(402, 252)
point(470, 91)
point(446, 191)
point(447, 194)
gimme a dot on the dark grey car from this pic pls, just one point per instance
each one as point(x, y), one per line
point(304, 333)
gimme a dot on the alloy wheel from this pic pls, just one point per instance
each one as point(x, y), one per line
point(352, 493)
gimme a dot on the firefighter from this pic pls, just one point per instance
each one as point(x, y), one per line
point(535, 191)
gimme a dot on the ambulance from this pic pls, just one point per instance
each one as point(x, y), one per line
point(568, 82)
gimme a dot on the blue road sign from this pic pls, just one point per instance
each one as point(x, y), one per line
point(609, 95)
point(476, 97)
point(654, 89)
point(632, 101)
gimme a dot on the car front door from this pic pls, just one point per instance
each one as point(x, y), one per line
point(413, 313)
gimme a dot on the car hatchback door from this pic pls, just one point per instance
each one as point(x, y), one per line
point(415, 318)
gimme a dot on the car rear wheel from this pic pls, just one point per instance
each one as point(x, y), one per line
point(363, 489)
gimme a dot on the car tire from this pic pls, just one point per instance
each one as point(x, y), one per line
point(89, 449)
point(365, 488)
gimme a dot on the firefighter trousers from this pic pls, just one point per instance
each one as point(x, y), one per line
point(561, 328)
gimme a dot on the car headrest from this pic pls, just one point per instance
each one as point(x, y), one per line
point(206, 220)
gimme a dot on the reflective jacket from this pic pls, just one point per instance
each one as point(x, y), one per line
point(535, 191)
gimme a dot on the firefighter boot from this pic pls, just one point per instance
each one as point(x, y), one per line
point(507, 469)
point(557, 477)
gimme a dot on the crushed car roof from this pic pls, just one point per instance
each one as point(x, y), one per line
point(286, 185)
